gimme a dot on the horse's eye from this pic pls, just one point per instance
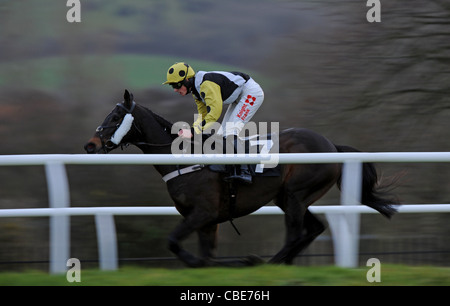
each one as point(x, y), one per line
point(115, 118)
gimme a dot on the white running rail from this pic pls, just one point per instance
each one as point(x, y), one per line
point(343, 219)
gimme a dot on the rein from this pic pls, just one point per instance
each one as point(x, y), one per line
point(141, 143)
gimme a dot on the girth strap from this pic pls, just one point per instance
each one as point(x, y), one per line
point(182, 171)
point(233, 194)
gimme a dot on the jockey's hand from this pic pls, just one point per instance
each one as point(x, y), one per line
point(185, 133)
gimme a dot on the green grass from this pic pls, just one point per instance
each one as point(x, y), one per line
point(266, 275)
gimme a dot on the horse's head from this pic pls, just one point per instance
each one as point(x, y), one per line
point(115, 129)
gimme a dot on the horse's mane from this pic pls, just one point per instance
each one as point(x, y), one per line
point(167, 125)
point(162, 121)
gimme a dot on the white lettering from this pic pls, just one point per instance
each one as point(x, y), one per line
point(374, 13)
point(199, 296)
point(74, 273)
point(74, 13)
point(265, 143)
point(246, 295)
point(374, 273)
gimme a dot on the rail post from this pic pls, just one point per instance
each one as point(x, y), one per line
point(345, 226)
point(107, 241)
point(58, 195)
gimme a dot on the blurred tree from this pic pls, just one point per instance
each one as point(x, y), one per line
point(390, 78)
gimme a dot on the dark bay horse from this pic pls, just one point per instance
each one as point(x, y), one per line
point(202, 197)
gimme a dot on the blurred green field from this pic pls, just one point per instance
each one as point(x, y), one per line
point(133, 70)
point(266, 275)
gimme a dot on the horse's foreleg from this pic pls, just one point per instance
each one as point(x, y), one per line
point(190, 224)
point(207, 237)
point(208, 242)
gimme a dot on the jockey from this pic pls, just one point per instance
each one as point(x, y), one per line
point(211, 91)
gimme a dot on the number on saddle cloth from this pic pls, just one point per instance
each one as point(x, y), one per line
point(252, 145)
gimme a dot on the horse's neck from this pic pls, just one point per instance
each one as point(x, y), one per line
point(156, 139)
point(156, 132)
point(162, 169)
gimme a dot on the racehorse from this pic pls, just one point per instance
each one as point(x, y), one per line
point(202, 196)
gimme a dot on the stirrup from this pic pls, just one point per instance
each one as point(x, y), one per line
point(244, 177)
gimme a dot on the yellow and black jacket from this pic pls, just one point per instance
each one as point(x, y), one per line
point(211, 91)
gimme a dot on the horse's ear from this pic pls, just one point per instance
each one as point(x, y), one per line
point(128, 98)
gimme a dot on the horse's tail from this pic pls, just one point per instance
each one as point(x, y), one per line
point(373, 195)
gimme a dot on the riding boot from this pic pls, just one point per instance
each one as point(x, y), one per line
point(240, 172)
point(246, 175)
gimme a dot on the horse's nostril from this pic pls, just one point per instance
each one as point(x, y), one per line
point(90, 148)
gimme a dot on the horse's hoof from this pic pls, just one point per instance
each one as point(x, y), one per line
point(251, 260)
point(195, 263)
point(254, 260)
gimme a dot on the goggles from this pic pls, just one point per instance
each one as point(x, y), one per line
point(177, 85)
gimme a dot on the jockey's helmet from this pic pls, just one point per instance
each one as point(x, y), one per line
point(178, 73)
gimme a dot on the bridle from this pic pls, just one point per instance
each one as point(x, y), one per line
point(109, 145)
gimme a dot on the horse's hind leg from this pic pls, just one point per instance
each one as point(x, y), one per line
point(313, 227)
point(294, 225)
point(302, 228)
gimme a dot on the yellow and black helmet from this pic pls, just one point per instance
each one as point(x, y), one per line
point(179, 72)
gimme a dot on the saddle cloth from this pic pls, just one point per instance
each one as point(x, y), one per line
point(254, 145)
